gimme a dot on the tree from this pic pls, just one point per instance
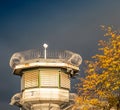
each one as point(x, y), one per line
point(101, 86)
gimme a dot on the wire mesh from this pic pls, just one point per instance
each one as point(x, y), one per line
point(66, 56)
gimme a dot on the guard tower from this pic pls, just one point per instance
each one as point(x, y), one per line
point(45, 78)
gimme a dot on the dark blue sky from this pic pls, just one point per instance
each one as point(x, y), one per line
point(63, 24)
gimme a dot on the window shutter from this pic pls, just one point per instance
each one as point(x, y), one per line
point(49, 78)
point(30, 79)
point(65, 81)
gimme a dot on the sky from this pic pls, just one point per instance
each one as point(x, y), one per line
point(63, 24)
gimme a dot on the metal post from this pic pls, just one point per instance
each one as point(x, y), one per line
point(45, 53)
point(45, 47)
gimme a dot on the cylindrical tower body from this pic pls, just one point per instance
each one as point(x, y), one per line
point(45, 82)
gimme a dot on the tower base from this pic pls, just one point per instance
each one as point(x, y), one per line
point(43, 106)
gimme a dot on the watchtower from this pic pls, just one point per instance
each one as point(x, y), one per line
point(45, 78)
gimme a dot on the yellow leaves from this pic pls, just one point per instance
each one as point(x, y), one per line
point(85, 107)
point(79, 100)
point(84, 103)
point(91, 70)
point(115, 88)
point(103, 72)
point(107, 84)
point(109, 31)
point(101, 93)
point(113, 35)
point(94, 101)
point(90, 65)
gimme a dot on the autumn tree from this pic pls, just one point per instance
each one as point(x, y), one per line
point(101, 86)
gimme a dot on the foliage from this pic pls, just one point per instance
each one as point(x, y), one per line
point(101, 86)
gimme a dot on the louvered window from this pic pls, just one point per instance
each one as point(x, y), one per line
point(49, 78)
point(64, 80)
point(30, 79)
